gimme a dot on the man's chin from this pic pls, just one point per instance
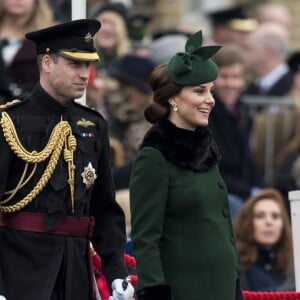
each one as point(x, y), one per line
point(78, 94)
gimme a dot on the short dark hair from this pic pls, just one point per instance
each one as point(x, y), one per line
point(229, 55)
point(54, 56)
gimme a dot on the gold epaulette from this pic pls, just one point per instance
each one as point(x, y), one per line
point(10, 103)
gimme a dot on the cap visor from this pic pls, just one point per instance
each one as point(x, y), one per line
point(82, 56)
point(246, 25)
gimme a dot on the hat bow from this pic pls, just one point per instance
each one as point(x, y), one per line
point(193, 51)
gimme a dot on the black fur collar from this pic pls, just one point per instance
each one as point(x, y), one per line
point(194, 150)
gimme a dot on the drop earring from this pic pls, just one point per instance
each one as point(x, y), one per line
point(175, 108)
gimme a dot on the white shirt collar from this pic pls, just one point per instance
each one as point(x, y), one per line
point(268, 81)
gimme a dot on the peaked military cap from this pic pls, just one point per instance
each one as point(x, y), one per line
point(193, 66)
point(73, 40)
point(235, 17)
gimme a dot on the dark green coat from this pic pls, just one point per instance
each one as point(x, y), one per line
point(181, 228)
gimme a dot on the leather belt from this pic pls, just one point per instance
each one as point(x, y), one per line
point(35, 222)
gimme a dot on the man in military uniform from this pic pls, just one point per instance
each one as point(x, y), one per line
point(56, 187)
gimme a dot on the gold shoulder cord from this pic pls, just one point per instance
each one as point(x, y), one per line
point(61, 135)
point(10, 103)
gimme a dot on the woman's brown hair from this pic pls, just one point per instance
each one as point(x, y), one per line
point(163, 89)
point(243, 227)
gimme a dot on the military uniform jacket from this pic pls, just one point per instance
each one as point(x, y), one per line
point(33, 264)
point(181, 229)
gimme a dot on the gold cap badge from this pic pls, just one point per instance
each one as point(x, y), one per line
point(88, 37)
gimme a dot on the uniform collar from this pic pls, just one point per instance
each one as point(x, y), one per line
point(43, 100)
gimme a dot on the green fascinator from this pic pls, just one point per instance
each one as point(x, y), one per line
point(193, 66)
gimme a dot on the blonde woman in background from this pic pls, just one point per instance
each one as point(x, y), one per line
point(112, 40)
point(17, 55)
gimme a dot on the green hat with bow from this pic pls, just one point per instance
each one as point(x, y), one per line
point(193, 66)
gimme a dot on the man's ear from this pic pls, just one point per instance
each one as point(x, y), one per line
point(46, 63)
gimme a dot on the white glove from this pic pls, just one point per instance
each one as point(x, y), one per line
point(121, 290)
point(2, 298)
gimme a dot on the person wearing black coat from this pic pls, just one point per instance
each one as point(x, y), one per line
point(236, 164)
point(267, 49)
point(231, 122)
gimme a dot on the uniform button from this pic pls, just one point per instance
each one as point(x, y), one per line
point(225, 212)
point(231, 240)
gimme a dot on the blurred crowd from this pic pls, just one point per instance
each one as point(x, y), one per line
point(255, 121)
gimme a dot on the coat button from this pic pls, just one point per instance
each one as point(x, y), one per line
point(225, 212)
point(221, 185)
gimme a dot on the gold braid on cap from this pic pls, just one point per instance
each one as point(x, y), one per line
point(61, 135)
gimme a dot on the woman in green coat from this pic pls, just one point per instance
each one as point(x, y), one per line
point(181, 229)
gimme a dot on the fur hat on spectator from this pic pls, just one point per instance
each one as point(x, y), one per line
point(133, 70)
